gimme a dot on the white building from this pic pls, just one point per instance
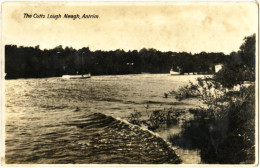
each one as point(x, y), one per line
point(218, 67)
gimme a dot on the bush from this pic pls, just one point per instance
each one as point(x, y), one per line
point(224, 129)
point(156, 119)
point(230, 76)
point(135, 118)
point(188, 91)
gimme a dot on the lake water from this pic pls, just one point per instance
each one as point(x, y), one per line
point(44, 116)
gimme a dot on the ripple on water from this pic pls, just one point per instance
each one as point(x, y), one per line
point(51, 120)
point(98, 139)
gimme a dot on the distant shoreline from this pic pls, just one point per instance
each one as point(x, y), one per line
point(112, 75)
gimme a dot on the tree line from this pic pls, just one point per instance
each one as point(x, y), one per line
point(32, 62)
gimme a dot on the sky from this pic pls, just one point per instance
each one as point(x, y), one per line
point(167, 26)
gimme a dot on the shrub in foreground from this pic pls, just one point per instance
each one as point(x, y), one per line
point(224, 130)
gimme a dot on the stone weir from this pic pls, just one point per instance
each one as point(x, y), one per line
point(113, 141)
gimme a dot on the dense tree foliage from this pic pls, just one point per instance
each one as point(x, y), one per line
point(32, 62)
point(224, 130)
point(240, 66)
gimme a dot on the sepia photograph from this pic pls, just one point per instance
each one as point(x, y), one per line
point(173, 83)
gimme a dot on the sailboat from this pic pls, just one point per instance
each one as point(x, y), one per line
point(82, 76)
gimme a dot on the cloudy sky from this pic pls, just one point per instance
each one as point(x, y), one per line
point(172, 26)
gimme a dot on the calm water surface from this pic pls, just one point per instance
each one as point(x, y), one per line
point(40, 112)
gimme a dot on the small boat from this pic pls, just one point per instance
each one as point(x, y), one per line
point(81, 76)
point(172, 72)
point(84, 76)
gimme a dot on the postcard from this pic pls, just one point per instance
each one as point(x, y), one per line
point(129, 83)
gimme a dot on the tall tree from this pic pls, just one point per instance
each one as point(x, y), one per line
point(248, 51)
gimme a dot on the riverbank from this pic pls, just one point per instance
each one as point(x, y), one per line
point(168, 122)
point(188, 156)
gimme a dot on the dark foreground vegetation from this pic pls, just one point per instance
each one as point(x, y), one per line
point(32, 62)
point(224, 129)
